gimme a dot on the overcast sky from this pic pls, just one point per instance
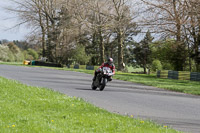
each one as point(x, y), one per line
point(7, 21)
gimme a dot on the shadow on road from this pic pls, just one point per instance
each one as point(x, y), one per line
point(84, 89)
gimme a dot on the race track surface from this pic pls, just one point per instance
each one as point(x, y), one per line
point(177, 110)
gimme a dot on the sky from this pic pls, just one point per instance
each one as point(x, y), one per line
point(7, 21)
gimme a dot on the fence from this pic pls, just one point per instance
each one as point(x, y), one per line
point(180, 75)
point(41, 63)
point(83, 67)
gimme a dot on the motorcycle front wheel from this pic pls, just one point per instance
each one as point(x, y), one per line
point(103, 84)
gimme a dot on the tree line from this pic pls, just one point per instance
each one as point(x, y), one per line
point(17, 51)
point(179, 22)
point(89, 31)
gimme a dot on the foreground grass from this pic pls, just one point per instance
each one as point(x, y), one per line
point(31, 109)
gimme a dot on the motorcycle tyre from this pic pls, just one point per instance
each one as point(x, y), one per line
point(93, 87)
point(102, 86)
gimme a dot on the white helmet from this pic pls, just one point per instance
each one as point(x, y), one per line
point(110, 61)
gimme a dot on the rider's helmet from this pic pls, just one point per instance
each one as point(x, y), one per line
point(110, 61)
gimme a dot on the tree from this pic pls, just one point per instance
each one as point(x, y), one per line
point(10, 52)
point(92, 49)
point(142, 52)
point(156, 65)
point(23, 45)
point(62, 25)
point(33, 53)
point(80, 56)
point(123, 24)
point(97, 21)
point(3, 41)
point(166, 52)
point(13, 48)
point(6, 55)
point(192, 32)
point(168, 17)
point(36, 14)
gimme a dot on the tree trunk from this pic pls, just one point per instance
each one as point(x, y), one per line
point(144, 70)
point(197, 52)
point(48, 40)
point(111, 51)
point(43, 43)
point(145, 65)
point(180, 62)
point(120, 51)
point(42, 28)
point(95, 59)
point(101, 46)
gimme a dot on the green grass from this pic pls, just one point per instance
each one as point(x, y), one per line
point(131, 69)
point(27, 109)
point(12, 63)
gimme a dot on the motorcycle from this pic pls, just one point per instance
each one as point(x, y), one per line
point(102, 79)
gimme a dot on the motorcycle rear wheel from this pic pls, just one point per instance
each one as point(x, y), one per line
point(93, 87)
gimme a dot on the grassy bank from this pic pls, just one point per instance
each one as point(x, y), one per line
point(31, 109)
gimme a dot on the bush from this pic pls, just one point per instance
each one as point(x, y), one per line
point(5, 54)
point(33, 53)
point(156, 65)
point(13, 48)
point(19, 57)
point(10, 53)
point(167, 66)
point(30, 54)
point(80, 56)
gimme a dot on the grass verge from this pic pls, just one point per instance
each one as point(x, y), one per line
point(184, 86)
point(12, 63)
point(31, 109)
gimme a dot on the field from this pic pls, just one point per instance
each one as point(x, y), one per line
point(27, 109)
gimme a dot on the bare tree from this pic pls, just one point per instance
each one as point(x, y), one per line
point(122, 25)
point(192, 31)
point(168, 17)
point(30, 13)
point(95, 21)
point(62, 23)
point(43, 16)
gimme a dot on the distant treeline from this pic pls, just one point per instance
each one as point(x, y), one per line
point(10, 52)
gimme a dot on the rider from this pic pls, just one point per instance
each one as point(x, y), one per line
point(109, 64)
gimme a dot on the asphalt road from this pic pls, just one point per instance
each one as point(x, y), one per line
point(177, 110)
